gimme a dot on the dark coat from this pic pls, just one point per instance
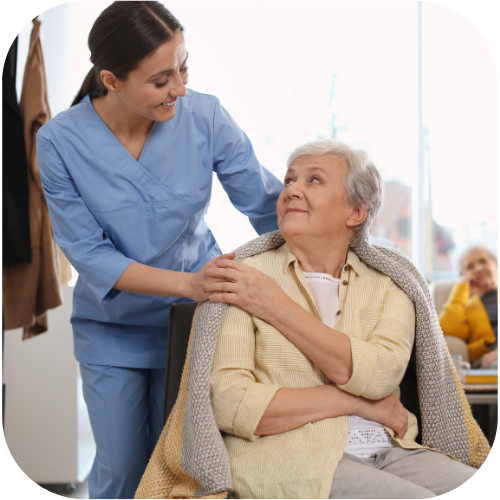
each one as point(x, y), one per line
point(15, 217)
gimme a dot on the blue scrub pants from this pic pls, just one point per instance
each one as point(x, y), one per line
point(125, 407)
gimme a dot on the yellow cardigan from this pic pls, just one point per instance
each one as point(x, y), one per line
point(465, 317)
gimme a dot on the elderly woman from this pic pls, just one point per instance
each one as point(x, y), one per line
point(304, 385)
point(471, 312)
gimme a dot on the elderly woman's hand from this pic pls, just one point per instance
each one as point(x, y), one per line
point(472, 284)
point(246, 287)
point(388, 411)
point(489, 357)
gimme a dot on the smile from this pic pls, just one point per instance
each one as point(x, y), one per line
point(168, 104)
point(295, 210)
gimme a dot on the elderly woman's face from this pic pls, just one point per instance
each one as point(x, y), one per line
point(313, 201)
point(480, 270)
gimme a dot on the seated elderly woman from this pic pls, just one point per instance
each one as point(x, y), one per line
point(305, 385)
point(471, 312)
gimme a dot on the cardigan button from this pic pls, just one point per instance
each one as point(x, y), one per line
point(345, 282)
point(338, 312)
point(346, 268)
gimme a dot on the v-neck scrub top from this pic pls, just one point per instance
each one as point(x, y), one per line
point(109, 210)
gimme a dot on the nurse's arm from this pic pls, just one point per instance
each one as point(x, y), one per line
point(252, 189)
point(102, 266)
point(142, 279)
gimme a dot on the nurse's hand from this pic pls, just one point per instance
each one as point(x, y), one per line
point(246, 287)
point(199, 283)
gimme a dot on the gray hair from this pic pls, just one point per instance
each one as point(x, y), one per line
point(475, 248)
point(363, 183)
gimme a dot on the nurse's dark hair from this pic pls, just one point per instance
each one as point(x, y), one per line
point(122, 36)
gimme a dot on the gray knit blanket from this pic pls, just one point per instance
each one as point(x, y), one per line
point(430, 388)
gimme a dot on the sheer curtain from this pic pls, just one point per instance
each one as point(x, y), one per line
point(460, 111)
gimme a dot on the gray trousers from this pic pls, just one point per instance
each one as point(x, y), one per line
point(398, 473)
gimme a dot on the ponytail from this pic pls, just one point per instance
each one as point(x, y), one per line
point(92, 83)
point(122, 36)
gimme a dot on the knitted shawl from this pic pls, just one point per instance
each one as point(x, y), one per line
point(190, 459)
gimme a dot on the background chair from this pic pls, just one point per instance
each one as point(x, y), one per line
point(179, 328)
point(440, 291)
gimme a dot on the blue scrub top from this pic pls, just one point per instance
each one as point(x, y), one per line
point(109, 210)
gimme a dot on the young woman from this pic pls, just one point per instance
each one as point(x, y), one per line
point(127, 174)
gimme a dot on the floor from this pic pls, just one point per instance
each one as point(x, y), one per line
point(81, 490)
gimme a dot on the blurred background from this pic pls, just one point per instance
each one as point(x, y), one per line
point(415, 85)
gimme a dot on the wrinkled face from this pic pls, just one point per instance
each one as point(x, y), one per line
point(313, 201)
point(153, 89)
point(480, 270)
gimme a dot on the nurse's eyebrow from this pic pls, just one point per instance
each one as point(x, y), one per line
point(168, 71)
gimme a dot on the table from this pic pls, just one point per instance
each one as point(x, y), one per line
point(486, 394)
point(483, 399)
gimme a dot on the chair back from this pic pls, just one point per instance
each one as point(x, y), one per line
point(441, 292)
point(457, 346)
point(179, 329)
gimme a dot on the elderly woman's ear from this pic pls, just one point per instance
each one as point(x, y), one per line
point(356, 217)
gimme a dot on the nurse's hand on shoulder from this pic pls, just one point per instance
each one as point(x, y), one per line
point(246, 287)
point(199, 282)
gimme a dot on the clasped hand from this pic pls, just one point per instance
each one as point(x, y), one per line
point(388, 411)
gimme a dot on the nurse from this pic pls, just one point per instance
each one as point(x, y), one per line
point(127, 174)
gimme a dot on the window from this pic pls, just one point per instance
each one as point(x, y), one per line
point(460, 113)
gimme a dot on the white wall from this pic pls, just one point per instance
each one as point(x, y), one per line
point(47, 428)
point(55, 34)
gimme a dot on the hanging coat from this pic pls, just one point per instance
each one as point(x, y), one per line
point(16, 243)
point(30, 289)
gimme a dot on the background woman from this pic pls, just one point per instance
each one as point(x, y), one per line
point(471, 312)
point(127, 174)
